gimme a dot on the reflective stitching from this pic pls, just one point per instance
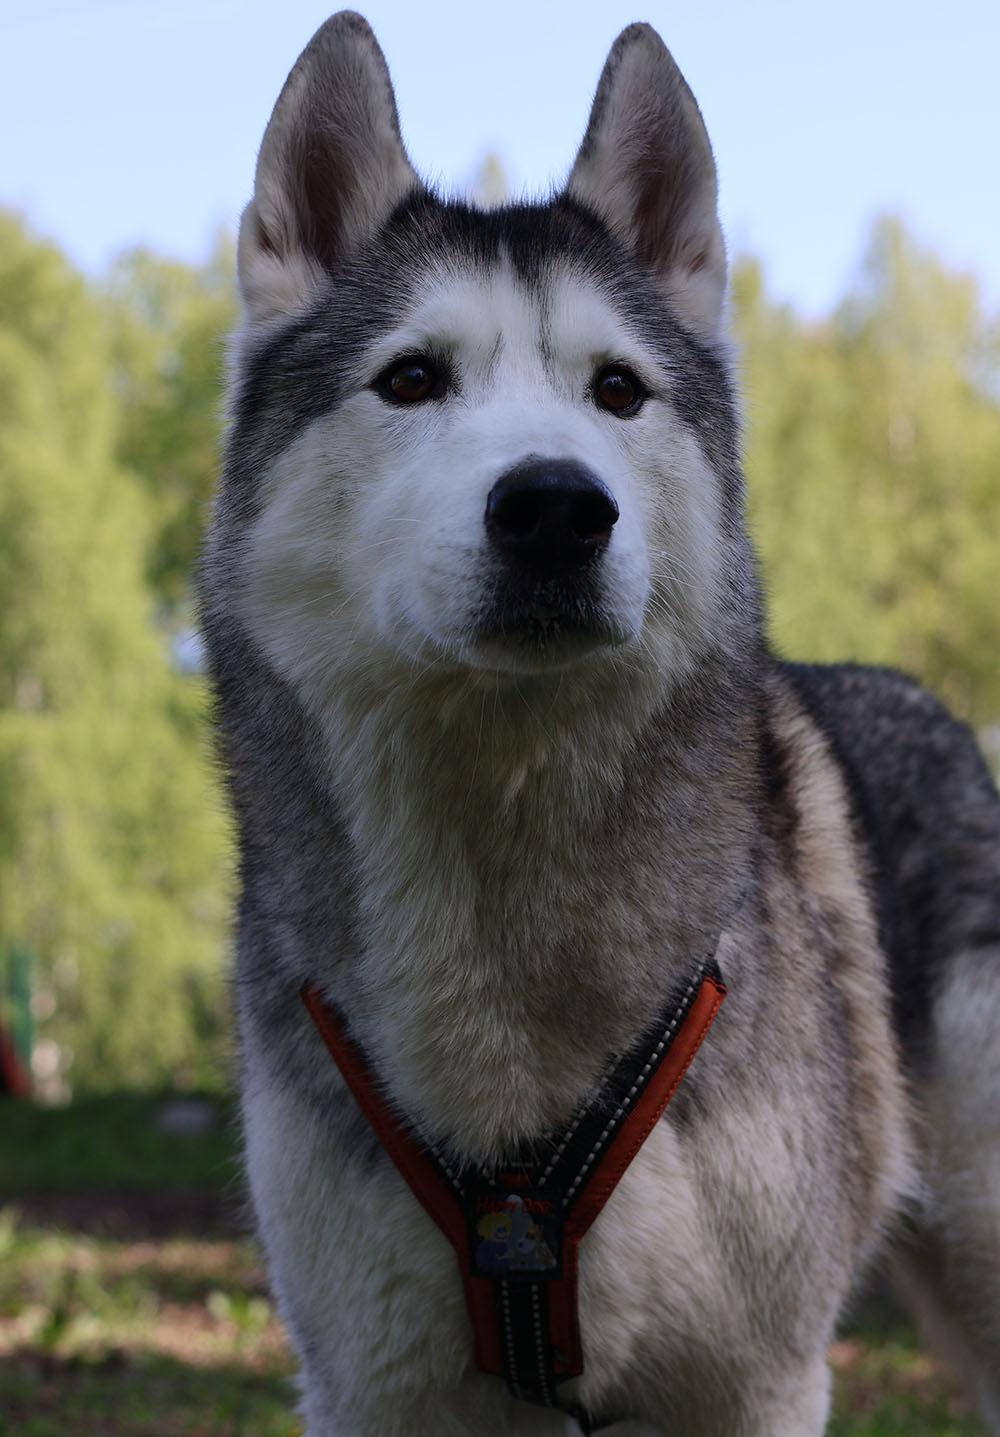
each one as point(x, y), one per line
point(508, 1337)
point(563, 1145)
point(640, 1081)
point(540, 1346)
point(452, 1178)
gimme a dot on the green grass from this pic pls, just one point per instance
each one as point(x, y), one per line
point(109, 1142)
point(888, 1387)
point(174, 1338)
point(154, 1397)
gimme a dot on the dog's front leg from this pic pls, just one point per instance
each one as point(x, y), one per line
point(778, 1403)
point(795, 1404)
point(368, 1288)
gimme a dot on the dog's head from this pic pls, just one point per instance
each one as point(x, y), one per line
point(493, 440)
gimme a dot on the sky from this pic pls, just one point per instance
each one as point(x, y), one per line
point(131, 122)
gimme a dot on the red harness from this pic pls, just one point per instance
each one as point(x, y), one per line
point(517, 1231)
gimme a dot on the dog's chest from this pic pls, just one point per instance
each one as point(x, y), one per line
point(655, 1279)
point(496, 1002)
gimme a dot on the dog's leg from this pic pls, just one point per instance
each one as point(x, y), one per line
point(790, 1404)
point(950, 1275)
point(800, 1406)
point(368, 1289)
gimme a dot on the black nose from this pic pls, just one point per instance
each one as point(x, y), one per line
point(550, 513)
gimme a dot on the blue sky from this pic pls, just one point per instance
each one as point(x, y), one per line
point(137, 121)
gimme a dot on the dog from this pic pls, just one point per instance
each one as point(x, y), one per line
point(511, 759)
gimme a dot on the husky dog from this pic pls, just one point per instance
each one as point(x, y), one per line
point(508, 748)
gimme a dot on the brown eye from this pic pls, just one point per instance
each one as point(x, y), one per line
point(409, 381)
point(617, 389)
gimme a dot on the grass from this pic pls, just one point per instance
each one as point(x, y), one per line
point(172, 1338)
point(166, 1330)
point(110, 1142)
point(888, 1387)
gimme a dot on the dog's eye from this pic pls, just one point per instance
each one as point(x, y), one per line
point(410, 380)
point(618, 390)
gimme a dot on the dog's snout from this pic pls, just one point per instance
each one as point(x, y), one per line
point(550, 513)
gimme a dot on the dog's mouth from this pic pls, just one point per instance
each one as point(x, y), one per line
point(547, 626)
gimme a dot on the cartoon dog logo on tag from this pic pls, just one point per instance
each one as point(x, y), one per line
point(493, 1251)
point(531, 1252)
point(510, 1238)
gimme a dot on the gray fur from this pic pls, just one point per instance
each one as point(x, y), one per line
point(499, 875)
point(646, 165)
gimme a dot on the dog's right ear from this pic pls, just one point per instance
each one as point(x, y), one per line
point(331, 168)
point(646, 166)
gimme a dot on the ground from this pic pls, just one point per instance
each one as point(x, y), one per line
point(131, 1306)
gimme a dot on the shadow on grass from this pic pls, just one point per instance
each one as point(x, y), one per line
point(120, 1141)
point(146, 1395)
point(123, 1166)
point(135, 1214)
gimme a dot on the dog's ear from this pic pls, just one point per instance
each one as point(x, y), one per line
point(331, 168)
point(646, 166)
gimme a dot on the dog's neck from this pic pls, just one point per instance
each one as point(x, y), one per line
point(537, 862)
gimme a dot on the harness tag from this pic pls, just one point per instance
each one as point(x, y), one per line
point(515, 1233)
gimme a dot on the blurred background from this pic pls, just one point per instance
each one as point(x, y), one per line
point(857, 155)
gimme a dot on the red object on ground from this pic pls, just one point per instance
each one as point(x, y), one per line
point(15, 1080)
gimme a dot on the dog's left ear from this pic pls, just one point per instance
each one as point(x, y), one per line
point(331, 168)
point(646, 166)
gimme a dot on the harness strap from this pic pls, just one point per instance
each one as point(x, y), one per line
point(516, 1232)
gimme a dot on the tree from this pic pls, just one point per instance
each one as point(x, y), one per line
point(874, 469)
point(169, 322)
point(112, 842)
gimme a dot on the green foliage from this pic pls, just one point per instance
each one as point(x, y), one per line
point(874, 471)
point(112, 857)
point(169, 322)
